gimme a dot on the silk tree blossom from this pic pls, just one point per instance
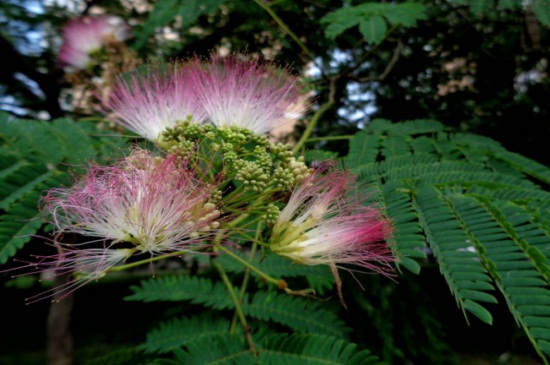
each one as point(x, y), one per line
point(82, 265)
point(86, 35)
point(158, 205)
point(150, 102)
point(245, 93)
point(225, 92)
point(322, 225)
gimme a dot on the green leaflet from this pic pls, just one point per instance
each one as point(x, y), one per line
point(267, 306)
point(180, 331)
point(372, 18)
point(481, 209)
point(23, 218)
point(34, 157)
point(312, 349)
point(274, 350)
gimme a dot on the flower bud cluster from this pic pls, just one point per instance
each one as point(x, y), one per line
point(271, 214)
point(203, 220)
point(252, 176)
point(248, 158)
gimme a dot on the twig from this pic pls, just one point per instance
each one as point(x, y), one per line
point(389, 66)
point(247, 271)
point(317, 116)
point(329, 138)
point(280, 283)
point(238, 309)
point(285, 27)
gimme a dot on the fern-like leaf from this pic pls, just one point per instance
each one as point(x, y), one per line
point(300, 314)
point(28, 167)
point(454, 253)
point(178, 288)
point(226, 349)
point(23, 219)
point(312, 349)
point(179, 332)
point(279, 308)
point(481, 209)
point(519, 267)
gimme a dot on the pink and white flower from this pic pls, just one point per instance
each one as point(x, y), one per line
point(81, 265)
point(322, 224)
point(245, 93)
point(148, 102)
point(85, 35)
point(157, 205)
point(225, 92)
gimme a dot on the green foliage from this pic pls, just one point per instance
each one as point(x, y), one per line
point(312, 349)
point(179, 332)
point(220, 349)
point(372, 18)
point(266, 306)
point(275, 349)
point(22, 218)
point(540, 8)
point(34, 157)
point(509, 4)
point(475, 205)
point(178, 288)
point(300, 314)
point(324, 342)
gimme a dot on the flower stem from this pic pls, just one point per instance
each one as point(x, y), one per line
point(280, 283)
point(238, 309)
point(247, 270)
point(328, 138)
point(145, 261)
point(311, 125)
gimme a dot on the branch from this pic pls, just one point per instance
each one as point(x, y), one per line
point(238, 309)
point(318, 115)
point(285, 27)
point(389, 66)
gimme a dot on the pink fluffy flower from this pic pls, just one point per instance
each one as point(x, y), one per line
point(85, 35)
point(323, 224)
point(81, 265)
point(225, 92)
point(148, 102)
point(245, 93)
point(156, 205)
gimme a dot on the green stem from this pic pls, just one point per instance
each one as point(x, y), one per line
point(238, 309)
point(246, 277)
point(285, 27)
point(145, 261)
point(311, 125)
point(280, 283)
point(328, 138)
